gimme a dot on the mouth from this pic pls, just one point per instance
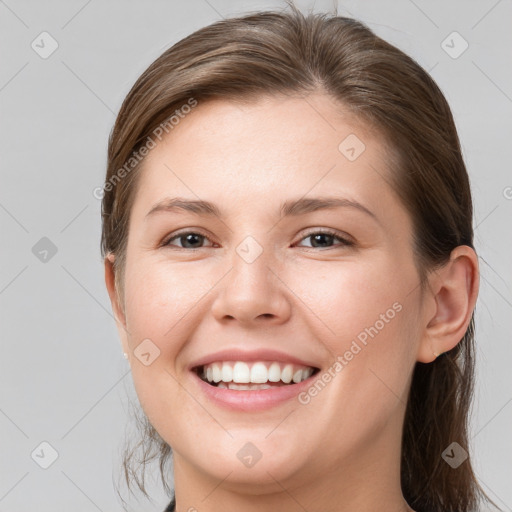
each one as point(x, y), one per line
point(253, 376)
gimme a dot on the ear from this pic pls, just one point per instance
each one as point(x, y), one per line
point(116, 307)
point(454, 290)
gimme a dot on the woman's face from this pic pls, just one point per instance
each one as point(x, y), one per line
point(264, 278)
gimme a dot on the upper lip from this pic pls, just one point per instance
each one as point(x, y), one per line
point(235, 354)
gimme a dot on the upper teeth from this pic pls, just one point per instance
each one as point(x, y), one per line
point(257, 372)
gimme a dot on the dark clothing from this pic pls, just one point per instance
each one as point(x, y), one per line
point(171, 507)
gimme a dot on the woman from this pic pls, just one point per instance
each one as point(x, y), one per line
point(287, 233)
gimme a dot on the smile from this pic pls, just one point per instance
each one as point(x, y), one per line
point(258, 375)
point(250, 381)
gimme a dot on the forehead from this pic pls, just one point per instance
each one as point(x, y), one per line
point(253, 154)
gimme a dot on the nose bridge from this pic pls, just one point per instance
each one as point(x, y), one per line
point(250, 289)
point(251, 261)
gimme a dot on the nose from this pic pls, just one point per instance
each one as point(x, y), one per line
point(252, 293)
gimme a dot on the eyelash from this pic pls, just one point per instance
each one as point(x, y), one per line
point(344, 242)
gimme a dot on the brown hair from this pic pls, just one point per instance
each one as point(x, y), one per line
point(290, 53)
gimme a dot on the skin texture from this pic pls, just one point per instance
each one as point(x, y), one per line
point(341, 450)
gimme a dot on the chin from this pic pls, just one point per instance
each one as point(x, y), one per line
point(249, 467)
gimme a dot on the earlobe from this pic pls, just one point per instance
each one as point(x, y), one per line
point(454, 291)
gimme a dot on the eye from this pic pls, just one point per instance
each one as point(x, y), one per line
point(322, 239)
point(189, 239)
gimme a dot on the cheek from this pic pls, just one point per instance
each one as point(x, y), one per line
point(367, 317)
point(353, 300)
point(161, 300)
point(374, 314)
point(370, 314)
point(159, 323)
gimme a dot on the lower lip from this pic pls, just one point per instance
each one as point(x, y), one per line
point(252, 400)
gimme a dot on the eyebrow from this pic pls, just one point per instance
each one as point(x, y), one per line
point(288, 208)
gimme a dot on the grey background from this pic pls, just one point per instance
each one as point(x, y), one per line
point(64, 380)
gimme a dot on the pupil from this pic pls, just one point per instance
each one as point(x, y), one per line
point(191, 238)
point(321, 237)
